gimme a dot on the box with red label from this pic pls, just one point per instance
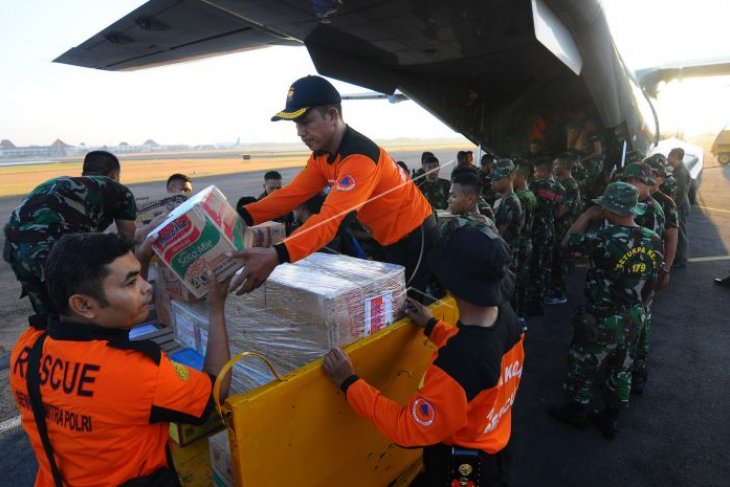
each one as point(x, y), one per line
point(264, 234)
point(306, 308)
point(150, 213)
point(195, 237)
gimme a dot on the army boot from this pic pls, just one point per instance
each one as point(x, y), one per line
point(572, 413)
point(607, 421)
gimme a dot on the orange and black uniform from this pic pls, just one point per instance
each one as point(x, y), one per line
point(362, 178)
point(107, 402)
point(466, 397)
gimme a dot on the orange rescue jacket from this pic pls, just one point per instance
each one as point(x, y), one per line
point(108, 402)
point(467, 392)
point(362, 178)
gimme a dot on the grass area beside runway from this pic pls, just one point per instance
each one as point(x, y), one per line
point(19, 180)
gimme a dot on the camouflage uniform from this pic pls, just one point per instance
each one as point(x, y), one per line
point(623, 266)
point(56, 207)
point(509, 213)
point(654, 220)
point(465, 220)
point(528, 202)
point(436, 192)
point(508, 210)
point(485, 209)
point(562, 262)
point(550, 195)
point(684, 180)
point(488, 193)
point(593, 182)
point(670, 187)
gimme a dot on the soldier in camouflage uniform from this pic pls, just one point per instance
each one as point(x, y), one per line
point(528, 202)
point(550, 204)
point(508, 210)
point(561, 261)
point(624, 260)
point(640, 175)
point(684, 181)
point(463, 204)
point(670, 186)
point(89, 203)
point(483, 207)
point(486, 167)
point(658, 164)
point(435, 189)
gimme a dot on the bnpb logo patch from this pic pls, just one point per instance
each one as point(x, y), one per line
point(181, 371)
point(345, 183)
point(423, 413)
point(290, 93)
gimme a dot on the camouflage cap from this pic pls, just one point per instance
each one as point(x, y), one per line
point(502, 168)
point(641, 171)
point(621, 198)
point(658, 164)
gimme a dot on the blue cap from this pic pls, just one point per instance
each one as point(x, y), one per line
point(305, 93)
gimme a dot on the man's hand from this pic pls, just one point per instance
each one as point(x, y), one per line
point(144, 251)
point(338, 366)
point(259, 263)
point(217, 291)
point(417, 312)
point(144, 254)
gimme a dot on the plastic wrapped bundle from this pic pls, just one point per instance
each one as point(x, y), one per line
point(302, 311)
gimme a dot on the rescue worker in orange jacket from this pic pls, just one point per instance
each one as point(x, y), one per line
point(362, 178)
point(461, 414)
point(95, 405)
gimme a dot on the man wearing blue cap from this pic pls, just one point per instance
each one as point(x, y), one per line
point(362, 178)
point(624, 260)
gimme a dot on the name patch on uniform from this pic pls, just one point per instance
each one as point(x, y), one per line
point(345, 183)
point(181, 371)
point(423, 413)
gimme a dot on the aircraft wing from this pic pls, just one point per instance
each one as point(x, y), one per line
point(169, 31)
point(488, 69)
point(651, 77)
point(372, 95)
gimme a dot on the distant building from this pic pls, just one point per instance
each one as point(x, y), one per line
point(60, 149)
point(57, 149)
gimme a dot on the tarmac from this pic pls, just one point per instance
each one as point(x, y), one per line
point(676, 433)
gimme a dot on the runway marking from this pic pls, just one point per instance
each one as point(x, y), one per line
point(714, 209)
point(709, 259)
point(9, 426)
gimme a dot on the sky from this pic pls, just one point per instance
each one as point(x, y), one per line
point(220, 99)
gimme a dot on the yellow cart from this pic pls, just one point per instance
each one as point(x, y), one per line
point(300, 431)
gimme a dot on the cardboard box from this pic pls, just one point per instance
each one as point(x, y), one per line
point(264, 235)
point(184, 434)
point(195, 237)
point(149, 210)
point(219, 449)
point(171, 286)
point(187, 320)
point(150, 213)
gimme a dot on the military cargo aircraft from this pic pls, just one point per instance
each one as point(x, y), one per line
point(498, 72)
